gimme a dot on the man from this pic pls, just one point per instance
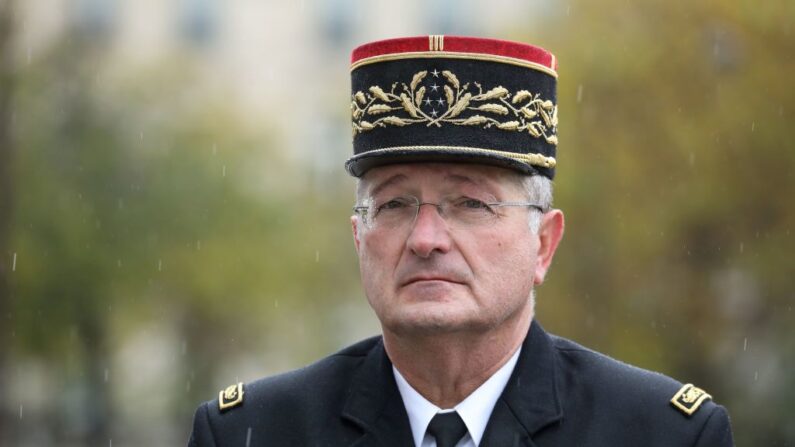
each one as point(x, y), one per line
point(454, 148)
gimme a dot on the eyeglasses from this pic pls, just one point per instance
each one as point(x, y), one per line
point(402, 211)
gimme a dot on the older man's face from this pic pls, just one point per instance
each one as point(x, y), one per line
point(434, 274)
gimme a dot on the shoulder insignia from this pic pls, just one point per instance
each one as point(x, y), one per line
point(689, 398)
point(230, 397)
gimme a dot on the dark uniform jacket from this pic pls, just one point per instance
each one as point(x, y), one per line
point(560, 394)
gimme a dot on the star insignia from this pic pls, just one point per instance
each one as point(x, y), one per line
point(434, 87)
point(427, 101)
point(440, 101)
point(435, 73)
point(433, 113)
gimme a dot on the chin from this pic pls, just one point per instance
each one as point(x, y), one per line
point(429, 320)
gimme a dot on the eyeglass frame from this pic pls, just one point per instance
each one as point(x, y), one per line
point(361, 210)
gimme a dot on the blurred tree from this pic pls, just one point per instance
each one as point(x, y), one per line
point(6, 201)
point(674, 154)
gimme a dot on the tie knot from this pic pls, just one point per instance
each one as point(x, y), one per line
point(447, 428)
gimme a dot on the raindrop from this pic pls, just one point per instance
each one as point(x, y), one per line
point(106, 375)
point(110, 443)
point(20, 411)
point(198, 245)
point(14, 263)
point(745, 344)
point(159, 265)
point(276, 303)
point(141, 135)
point(756, 376)
point(118, 263)
point(223, 171)
point(568, 10)
point(29, 55)
point(248, 437)
point(742, 247)
point(317, 255)
point(692, 159)
point(753, 125)
point(579, 93)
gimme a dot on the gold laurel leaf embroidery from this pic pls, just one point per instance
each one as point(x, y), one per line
point(460, 105)
point(408, 105)
point(378, 93)
point(496, 92)
point(451, 77)
point(459, 99)
point(419, 96)
point(521, 95)
point(545, 116)
point(375, 109)
point(509, 125)
point(474, 120)
point(356, 112)
point(494, 108)
point(395, 121)
point(417, 78)
point(448, 93)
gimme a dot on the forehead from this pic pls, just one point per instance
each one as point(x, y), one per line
point(487, 177)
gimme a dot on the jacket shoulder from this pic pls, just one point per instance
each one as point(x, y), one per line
point(280, 404)
point(650, 404)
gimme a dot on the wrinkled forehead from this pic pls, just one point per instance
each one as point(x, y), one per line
point(415, 175)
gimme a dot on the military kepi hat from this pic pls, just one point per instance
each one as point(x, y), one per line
point(454, 99)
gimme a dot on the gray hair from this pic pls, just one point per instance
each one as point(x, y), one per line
point(539, 191)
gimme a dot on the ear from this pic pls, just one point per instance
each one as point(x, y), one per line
point(549, 235)
point(355, 229)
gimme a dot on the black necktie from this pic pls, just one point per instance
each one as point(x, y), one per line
point(447, 428)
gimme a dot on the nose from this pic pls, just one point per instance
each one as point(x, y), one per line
point(429, 233)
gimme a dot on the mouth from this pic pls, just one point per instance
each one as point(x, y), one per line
point(423, 279)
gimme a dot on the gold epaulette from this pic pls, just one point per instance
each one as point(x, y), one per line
point(230, 397)
point(689, 398)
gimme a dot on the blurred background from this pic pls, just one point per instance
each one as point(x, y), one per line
point(174, 211)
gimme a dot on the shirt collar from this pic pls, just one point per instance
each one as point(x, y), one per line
point(475, 409)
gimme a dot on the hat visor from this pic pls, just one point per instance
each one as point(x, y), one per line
point(359, 164)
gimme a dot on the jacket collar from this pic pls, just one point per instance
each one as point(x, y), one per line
point(374, 403)
point(530, 401)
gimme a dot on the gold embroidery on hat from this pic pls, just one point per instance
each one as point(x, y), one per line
point(455, 55)
point(436, 42)
point(497, 108)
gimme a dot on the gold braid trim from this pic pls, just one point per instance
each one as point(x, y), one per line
point(455, 55)
point(530, 159)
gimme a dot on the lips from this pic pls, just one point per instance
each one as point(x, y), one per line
point(419, 278)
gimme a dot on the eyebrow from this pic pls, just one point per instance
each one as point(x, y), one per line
point(453, 178)
point(397, 178)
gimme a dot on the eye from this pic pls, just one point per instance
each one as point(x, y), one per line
point(470, 204)
point(397, 203)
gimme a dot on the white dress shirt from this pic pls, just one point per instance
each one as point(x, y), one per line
point(475, 410)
